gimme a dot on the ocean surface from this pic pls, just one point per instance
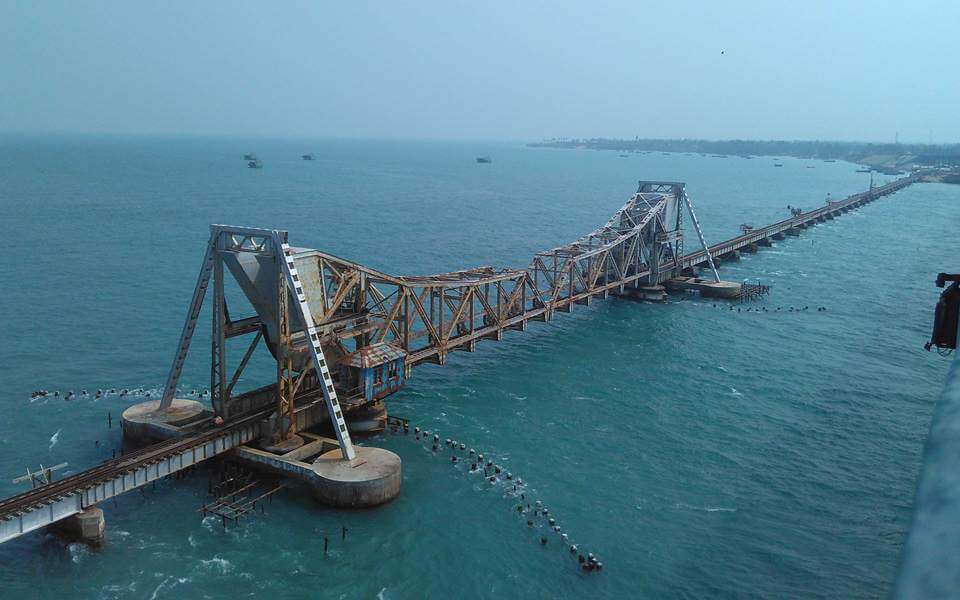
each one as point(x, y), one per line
point(699, 451)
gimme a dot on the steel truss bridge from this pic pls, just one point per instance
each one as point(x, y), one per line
point(321, 306)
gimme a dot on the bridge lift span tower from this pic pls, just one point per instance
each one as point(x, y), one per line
point(344, 336)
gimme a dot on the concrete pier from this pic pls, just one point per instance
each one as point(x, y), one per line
point(765, 242)
point(145, 423)
point(778, 236)
point(793, 231)
point(707, 288)
point(369, 419)
point(749, 249)
point(650, 293)
point(372, 478)
point(88, 526)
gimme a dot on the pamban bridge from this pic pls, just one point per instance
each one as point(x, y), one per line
point(345, 336)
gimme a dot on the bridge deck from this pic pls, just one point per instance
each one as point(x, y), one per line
point(807, 218)
point(58, 500)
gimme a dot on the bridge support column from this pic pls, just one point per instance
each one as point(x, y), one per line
point(793, 231)
point(650, 293)
point(778, 236)
point(367, 420)
point(828, 216)
point(373, 478)
point(802, 225)
point(732, 255)
point(88, 526)
point(749, 249)
point(146, 422)
point(764, 242)
point(821, 219)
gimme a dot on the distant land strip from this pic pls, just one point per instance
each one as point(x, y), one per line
point(885, 158)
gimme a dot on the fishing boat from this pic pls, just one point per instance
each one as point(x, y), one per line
point(307, 156)
point(250, 156)
point(484, 159)
point(778, 164)
point(255, 164)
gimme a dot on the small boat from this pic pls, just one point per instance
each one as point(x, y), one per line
point(778, 164)
point(255, 164)
point(863, 170)
point(811, 167)
point(830, 160)
point(307, 156)
point(719, 155)
point(484, 159)
point(624, 156)
point(250, 156)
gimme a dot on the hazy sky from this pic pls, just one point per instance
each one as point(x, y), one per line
point(484, 69)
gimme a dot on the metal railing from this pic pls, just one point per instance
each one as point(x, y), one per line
point(930, 562)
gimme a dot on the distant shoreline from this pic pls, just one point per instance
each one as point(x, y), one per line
point(885, 158)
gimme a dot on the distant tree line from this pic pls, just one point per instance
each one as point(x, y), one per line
point(852, 151)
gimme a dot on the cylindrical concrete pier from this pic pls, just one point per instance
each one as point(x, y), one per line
point(369, 419)
point(145, 423)
point(720, 289)
point(372, 478)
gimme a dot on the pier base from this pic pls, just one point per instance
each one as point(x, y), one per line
point(749, 249)
point(793, 231)
point(707, 289)
point(732, 255)
point(145, 423)
point(369, 419)
point(372, 478)
point(88, 526)
point(284, 446)
point(650, 293)
point(778, 236)
point(764, 242)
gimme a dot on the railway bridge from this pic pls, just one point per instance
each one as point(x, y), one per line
point(345, 336)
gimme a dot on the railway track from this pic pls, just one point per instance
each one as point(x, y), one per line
point(56, 490)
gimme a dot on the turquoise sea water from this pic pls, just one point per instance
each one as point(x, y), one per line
point(699, 451)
